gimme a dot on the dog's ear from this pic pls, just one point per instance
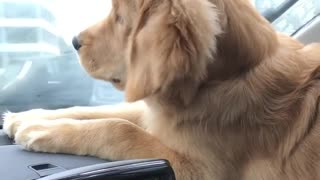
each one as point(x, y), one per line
point(173, 41)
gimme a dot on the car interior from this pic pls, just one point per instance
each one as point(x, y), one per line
point(18, 164)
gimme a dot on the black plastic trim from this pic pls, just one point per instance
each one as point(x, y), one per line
point(124, 170)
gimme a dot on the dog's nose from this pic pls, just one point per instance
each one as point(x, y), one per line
point(76, 44)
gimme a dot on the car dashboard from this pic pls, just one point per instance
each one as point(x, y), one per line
point(18, 164)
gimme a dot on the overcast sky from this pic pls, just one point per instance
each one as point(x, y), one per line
point(75, 15)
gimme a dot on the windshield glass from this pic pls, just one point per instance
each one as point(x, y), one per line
point(300, 14)
point(38, 66)
point(40, 69)
point(288, 16)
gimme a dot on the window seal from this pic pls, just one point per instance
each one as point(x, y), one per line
point(306, 24)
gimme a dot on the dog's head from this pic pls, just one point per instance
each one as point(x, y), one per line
point(145, 45)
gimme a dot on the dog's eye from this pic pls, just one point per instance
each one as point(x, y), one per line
point(119, 19)
point(116, 81)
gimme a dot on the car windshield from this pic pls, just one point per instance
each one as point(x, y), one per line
point(38, 66)
point(40, 69)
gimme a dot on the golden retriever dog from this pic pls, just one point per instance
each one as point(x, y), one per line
point(210, 85)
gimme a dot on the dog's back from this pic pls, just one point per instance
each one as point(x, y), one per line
point(295, 77)
point(270, 116)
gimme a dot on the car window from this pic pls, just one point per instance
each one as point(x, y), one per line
point(40, 69)
point(289, 16)
point(38, 66)
point(297, 16)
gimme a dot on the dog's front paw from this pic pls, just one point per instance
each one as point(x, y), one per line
point(48, 136)
point(12, 121)
point(33, 136)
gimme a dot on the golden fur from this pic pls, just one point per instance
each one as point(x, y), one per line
point(219, 94)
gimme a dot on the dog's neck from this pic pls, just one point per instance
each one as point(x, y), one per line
point(248, 43)
point(247, 39)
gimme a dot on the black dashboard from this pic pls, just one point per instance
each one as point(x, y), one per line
point(18, 164)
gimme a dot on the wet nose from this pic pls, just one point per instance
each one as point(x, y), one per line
point(76, 44)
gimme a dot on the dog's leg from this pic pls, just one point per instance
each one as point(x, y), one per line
point(113, 139)
point(132, 112)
